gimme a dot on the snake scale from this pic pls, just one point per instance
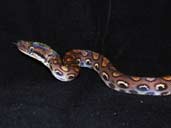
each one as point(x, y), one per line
point(68, 68)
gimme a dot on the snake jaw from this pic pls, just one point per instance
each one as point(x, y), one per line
point(23, 46)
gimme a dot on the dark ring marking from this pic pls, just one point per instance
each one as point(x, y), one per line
point(59, 73)
point(96, 66)
point(66, 69)
point(105, 76)
point(78, 61)
point(167, 78)
point(143, 87)
point(134, 78)
point(95, 56)
point(122, 84)
point(88, 61)
point(71, 76)
point(105, 62)
point(31, 49)
point(160, 86)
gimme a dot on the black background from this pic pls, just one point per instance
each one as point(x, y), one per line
point(136, 40)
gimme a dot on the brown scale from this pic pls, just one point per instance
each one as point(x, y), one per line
point(111, 76)
point(132, 83)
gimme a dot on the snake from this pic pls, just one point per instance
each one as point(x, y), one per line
point(68, 67)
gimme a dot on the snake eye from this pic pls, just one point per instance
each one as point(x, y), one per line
point(105, 76)
point(31, 49)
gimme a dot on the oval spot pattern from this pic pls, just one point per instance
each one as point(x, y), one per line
point(116, 74)
point(64, 68)
point(84, 53)
point(59, 73)
point(168, 78)
point(96, 66)
point(105, 76)
point(71, 76)
point(135, 78)
point(67, 68)
point(143, 87)
point(105, 62)
point(95, 56)
point(160, 86)
point(150, 79)
point(78, 61)
point(88, 61)
point(122, 84)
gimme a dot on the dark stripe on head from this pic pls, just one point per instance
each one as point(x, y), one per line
point(40, 55)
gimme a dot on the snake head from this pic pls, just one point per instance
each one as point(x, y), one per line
point(28, 48)
point(24, 46)
point(36, 50)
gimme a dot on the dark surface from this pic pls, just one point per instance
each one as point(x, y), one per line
point(137, 41)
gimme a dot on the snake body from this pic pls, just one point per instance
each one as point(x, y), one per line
point(68, 68)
